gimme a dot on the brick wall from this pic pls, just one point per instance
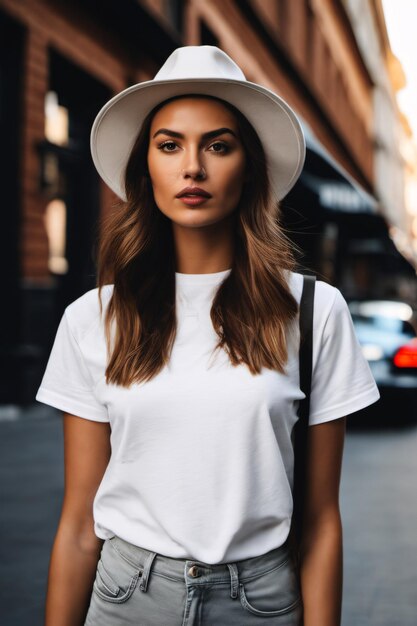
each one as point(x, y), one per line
point(46, 26)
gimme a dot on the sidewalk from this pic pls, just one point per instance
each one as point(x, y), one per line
point(31, 483)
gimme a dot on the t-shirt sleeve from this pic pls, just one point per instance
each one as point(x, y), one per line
point(67, 383)
point(342, 381)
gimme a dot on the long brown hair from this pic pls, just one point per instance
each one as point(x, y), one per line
point(252, 308)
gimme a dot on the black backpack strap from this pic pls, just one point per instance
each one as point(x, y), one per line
point(306, 344)
point(301, 427)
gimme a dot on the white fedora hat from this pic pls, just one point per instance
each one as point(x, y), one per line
point(205, 70)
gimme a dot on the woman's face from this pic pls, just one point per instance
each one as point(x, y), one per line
point(194, 142)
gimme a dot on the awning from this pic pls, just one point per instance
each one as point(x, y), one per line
point(335, 188)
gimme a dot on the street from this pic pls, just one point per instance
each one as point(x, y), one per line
point(379, 512)
point(378, 501)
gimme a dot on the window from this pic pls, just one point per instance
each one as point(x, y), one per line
point(56, 226)
point(207, 37)
point(174, 10)
point(56, 120)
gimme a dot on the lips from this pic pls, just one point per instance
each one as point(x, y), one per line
point(193, 192)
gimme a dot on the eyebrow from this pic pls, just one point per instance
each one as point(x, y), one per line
point(209, 135)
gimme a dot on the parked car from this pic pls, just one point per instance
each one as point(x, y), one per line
point(389, 343)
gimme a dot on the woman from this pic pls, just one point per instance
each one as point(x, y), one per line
point(179, 377)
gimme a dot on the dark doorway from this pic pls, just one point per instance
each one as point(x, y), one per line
point(12, 37)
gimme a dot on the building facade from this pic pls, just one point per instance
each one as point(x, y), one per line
point(394, 148)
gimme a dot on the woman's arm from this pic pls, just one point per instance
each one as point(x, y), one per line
point(321, 545)
point(76, 548)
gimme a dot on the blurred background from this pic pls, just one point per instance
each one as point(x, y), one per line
point(343, 65)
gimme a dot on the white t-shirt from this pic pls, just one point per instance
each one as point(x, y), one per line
point(202, 461)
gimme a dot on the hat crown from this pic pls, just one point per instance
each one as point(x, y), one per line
point(199, 62)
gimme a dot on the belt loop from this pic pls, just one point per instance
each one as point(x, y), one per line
point(146, 571)
point(234, 578)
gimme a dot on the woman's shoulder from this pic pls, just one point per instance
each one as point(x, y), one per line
point(326, 297)
point(323, 290)
point(85, 312)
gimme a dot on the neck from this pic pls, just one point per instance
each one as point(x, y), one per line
point(204, 250)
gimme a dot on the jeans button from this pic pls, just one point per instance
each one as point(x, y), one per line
point(193, 571)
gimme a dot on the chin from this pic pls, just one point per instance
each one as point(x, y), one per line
point(196, 223)
point(201, 217)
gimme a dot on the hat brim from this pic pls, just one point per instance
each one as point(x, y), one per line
point(117, 125)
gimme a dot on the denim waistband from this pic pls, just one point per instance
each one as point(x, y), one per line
point(196, 572)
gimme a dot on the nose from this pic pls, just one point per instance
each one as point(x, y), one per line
point(193, 165)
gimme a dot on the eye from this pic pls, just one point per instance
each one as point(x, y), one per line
point(220, 147)
point(170, 145)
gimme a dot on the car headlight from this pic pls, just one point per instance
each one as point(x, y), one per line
point(372, 352)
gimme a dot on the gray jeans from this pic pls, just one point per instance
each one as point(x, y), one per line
point(137, 587)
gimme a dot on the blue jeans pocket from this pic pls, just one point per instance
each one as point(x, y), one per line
point(271, 593)
point(116, 578)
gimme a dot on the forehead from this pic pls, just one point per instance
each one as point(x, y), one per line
point(191, 110)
